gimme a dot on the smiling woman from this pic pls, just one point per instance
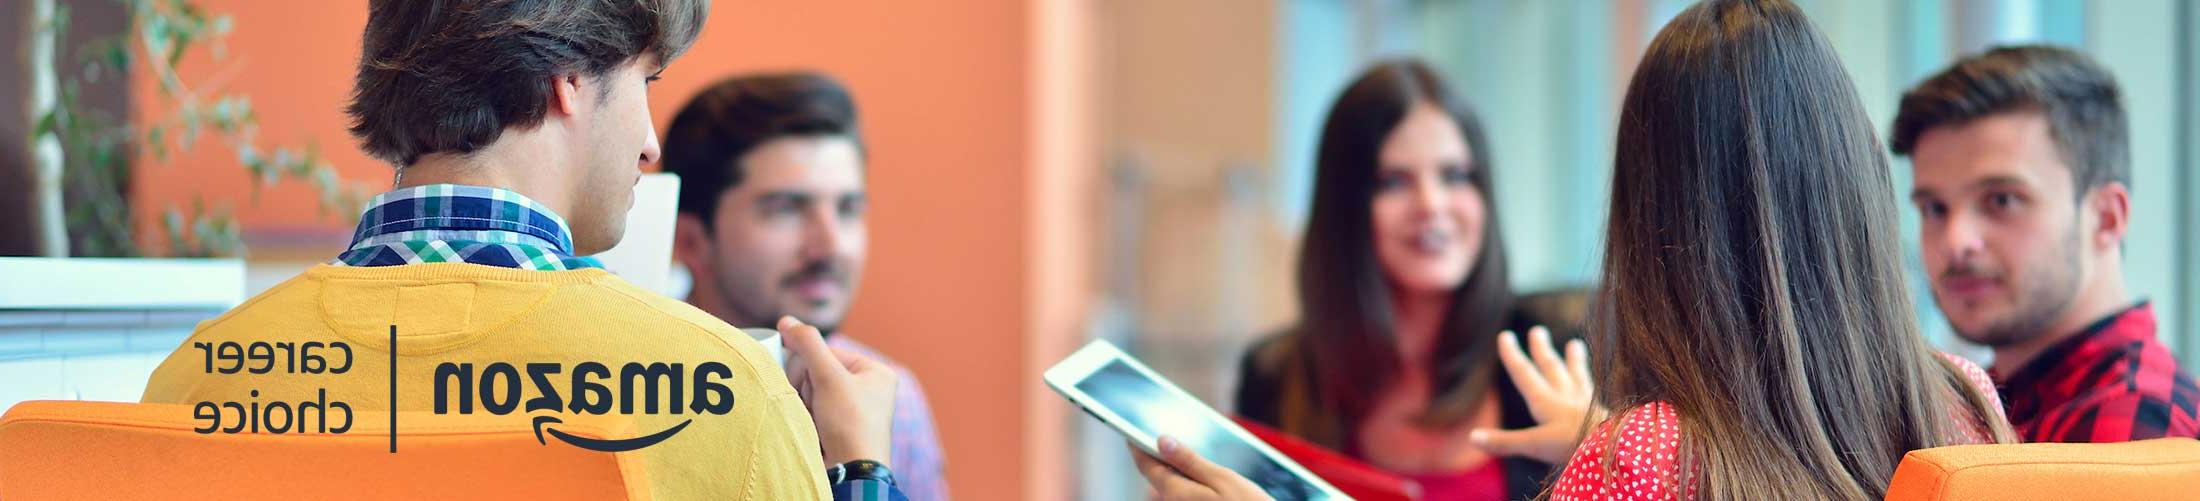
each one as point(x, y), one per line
point(1404, 292)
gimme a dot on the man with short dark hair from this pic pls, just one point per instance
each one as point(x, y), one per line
point(772, 223)
point(2023, 184)
point(518, 128)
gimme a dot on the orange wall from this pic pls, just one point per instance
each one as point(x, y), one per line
point(946, 95)
point(294, 60)
point(941, 87)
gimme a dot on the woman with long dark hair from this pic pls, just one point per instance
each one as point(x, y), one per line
point(1403, 293)
point(1755, 339)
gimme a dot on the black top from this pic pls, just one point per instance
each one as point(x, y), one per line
point(1259, 399)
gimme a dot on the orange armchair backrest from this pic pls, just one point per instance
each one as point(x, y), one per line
point(2167, 468)
point(114, 450)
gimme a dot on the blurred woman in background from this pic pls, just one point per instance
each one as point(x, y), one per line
point(1403, 290)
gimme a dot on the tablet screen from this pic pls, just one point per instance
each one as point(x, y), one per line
point(1156, 411)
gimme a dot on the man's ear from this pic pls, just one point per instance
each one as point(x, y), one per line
point(565, 94)
point(691, 243)
point(2110, 206)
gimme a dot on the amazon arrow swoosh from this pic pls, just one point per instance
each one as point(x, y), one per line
point(601, 445)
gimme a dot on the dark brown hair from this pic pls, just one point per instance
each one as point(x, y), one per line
point(1347, 338)
point(709, 136)
point(1752, 275)
point(450, 75)
point(2078, 97)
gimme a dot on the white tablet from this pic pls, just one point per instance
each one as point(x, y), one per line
point(1141, 405)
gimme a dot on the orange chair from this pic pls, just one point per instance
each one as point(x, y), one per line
point(2167, 468)
point(113, 450)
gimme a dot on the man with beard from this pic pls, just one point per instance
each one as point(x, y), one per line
point(2023, 186)
point(772, 224)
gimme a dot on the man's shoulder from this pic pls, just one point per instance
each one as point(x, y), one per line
point(2134, 392)
point(297, 296)
point(672, 313)
point(287, 312)
point(660, 306)
point(2143, 366)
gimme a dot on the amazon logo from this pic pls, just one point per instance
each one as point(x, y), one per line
point(655, 388)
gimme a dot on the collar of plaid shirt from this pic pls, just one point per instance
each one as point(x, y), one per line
point(2109, 383)
point(451, 223)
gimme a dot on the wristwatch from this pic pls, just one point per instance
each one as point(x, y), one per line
point(861, 469)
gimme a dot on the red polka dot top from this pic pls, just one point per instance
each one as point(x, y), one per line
point(1649, 440)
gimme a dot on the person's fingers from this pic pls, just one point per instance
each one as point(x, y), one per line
point(1153, 469)
point(850, 360)
point(798, 375)
point(1577, 359)
point(869, 372)
point(1524, 376)
point(1160, 477)
point(1546, 359)
point(858, 363)
point(1500, 442)
point(1546, 443)
point(808, 345)
point(1198, 468)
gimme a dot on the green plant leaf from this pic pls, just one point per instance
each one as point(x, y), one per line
point(59, 23)
point(100, 150)
point(116, 56)
point(156, 142)
point(46, 124)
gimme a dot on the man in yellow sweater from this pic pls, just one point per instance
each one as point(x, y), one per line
point(518, 128)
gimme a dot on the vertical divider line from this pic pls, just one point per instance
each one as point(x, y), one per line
point(393, 388)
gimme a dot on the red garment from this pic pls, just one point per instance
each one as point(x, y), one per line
point(2111, 383)
point(1483, 483)
point(1645, 462)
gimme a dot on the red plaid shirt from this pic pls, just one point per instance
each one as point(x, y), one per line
point(2112, 383)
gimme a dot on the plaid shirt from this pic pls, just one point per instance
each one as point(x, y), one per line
point(450, 223)
point(2111, 383)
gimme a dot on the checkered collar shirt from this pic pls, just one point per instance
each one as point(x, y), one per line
point(451, 223)
point(2112, 382)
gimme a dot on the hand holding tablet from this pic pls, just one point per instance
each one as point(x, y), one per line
point(1181, 475)
point(1214, 453)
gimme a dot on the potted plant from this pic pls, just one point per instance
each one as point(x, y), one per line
point(91, 264)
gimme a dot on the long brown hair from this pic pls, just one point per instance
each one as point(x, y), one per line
point(1752, 276)
point(1347, 342)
